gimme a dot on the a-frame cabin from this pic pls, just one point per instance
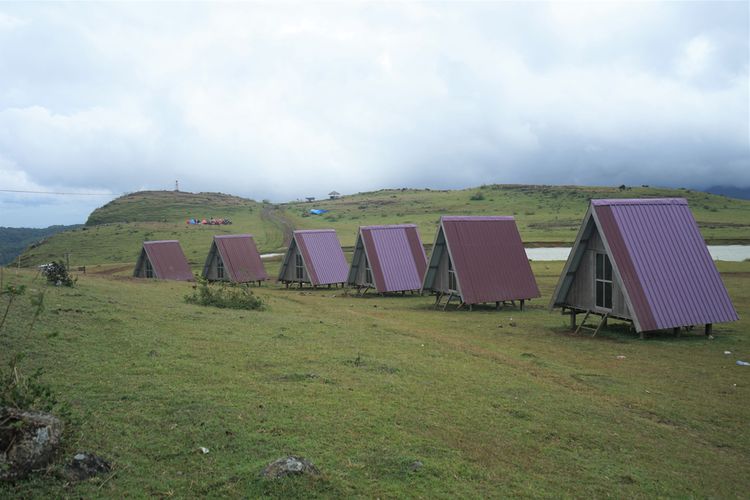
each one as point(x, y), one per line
point(163, 260)
point(388, 259)
point(314, 257)
point(479, 259)
point(643, 261)
point(234, 258)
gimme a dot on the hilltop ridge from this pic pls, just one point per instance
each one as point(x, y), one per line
point(546, 216)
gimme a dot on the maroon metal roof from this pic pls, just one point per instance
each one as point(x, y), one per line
point(241, 258)
point(323, 257)
point(168, 260)
point(488, 258)
point(663, 262)
point(396, 256)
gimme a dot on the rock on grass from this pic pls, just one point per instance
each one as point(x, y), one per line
point(28, 441)
point(290, 466)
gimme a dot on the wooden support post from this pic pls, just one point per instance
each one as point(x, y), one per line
point(572, 319)
point(642, 336)
point(450, 297)
point(676, 331)
point(522, 301)
point(471, 307)
point(709, 328)
point(497, 304)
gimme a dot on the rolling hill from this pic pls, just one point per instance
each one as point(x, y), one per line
point(546, 215)
point(14, 240)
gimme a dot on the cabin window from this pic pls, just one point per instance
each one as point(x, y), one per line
point(149, 269)
point(220, 269)
point(299, 269)
point(451, 277)
point(368, 273)
point(603, 281)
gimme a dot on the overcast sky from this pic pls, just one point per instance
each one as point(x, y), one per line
point(285, 101)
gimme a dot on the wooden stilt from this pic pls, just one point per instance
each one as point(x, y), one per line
point(572, 320)
point(438, 296)
point(497, 304)
point(709, 329)
point(602, 323)
point(522, 301)
point(585, 317)
point(450, 297)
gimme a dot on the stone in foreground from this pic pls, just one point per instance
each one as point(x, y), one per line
point(290, 466)
point(85, 465)
point(28, 441)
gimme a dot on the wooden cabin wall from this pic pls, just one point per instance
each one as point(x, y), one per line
point(290, 273)
point(359, 279)
point(212, 273)
point(441, 273)
point(582, 294)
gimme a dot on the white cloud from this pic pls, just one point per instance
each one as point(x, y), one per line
point(281, 101)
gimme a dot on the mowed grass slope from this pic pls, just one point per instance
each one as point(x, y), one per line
point(546, 215)
point(364, 387)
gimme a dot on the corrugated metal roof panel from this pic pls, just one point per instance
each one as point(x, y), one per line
point(396, 256)
point(322, 255)
point(664, 263)
point(168, 260)
point(241, 258)
point(489, 259)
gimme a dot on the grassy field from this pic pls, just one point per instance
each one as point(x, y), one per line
point(363, 387)
point(546, 215)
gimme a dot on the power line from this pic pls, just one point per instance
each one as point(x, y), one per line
point(55, 193)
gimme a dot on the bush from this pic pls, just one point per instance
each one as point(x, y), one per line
point(224, 295)
point(57, 274)
point(478, 196)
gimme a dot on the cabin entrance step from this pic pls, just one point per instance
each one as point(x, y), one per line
point(592, 328)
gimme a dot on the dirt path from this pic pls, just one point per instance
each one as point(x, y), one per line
point(276, 217)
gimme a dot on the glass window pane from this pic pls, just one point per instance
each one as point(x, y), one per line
point(607, 268)
point(608, 295)
point(599, 273)
point(599, 294)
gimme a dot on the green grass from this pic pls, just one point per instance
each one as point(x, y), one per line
point(546, 215)
point(365, 386)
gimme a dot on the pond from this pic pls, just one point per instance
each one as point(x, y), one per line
point(735, 253)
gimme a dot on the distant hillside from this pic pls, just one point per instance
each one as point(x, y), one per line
point(14, 240)
point(546, 216)
point(731, 191)
point(115, 232)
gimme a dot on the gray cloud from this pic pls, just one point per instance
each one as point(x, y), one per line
point(284, 101)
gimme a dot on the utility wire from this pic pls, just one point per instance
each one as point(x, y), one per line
point(56, 193)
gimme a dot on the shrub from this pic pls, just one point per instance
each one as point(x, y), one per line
point(478, 196)
point(224, 295)
point(57, 274)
